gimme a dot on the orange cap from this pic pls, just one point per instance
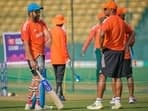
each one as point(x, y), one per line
point(100, 15)
point(110, 5)
point(59, 19)
point(121, 11)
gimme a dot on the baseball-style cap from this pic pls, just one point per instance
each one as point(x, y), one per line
point(33, 7)
point(121, 11)
point(59, 19)
point(110, 5)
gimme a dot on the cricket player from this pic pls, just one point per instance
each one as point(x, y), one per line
point(35, 36)
point(92, 36)
point(112, 32)
point(59, 52)
point(127, 64)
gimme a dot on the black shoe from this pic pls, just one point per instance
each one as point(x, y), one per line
point(62, 98)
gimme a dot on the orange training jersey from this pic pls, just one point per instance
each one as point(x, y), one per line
point(115, 29)
point(59, 51)
point(92, 36)
point(33, 33)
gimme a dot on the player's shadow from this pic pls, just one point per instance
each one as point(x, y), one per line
point(136, 107)
point(10, 107)
point(81, 108)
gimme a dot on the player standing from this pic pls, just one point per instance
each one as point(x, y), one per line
point(112, 44)
point(127, 64)
point(35, 35)
point(59, 52)
point(93, 36)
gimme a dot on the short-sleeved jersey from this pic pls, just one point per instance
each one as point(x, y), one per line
point(115, 29)
point(33, 32)
point(59, 50)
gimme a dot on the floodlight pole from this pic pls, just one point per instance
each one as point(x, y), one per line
point(73, 49)
point(42, 3)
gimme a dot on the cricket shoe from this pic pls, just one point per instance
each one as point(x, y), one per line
point(62, 98)
point(96, 105)
point(38, 107)
point(112, 101)
point(132, 100)
point(117, 106)
point(28, 106)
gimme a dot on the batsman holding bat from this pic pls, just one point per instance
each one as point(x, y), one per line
point(35, 36)
point(59, 52)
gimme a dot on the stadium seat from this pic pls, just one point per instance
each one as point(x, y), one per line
point(84, 13)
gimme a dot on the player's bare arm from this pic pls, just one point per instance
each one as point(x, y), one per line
point(29, 55)
point(130, 41)
point(101, 39)
point(47, 38)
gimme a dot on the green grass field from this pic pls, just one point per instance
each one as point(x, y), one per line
point(75, 102)
point(84, 91)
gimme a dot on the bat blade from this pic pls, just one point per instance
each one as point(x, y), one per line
point(46, 85)
point(51, 92)
point(56, 99)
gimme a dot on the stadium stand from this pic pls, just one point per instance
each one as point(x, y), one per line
point(13, 13)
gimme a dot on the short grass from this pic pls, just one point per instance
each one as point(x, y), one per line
point(75, 102)
point(83, 94)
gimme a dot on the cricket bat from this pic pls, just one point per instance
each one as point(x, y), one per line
point(42, 89)
point(51, 92)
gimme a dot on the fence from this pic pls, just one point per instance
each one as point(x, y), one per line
point(3, 79)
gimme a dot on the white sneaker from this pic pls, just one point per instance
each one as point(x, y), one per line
point(112, 101)
point(96, 105)
point(132, 100)
point(37, 107)
point(48, 107)
point(28, 106)
point(117, 106)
